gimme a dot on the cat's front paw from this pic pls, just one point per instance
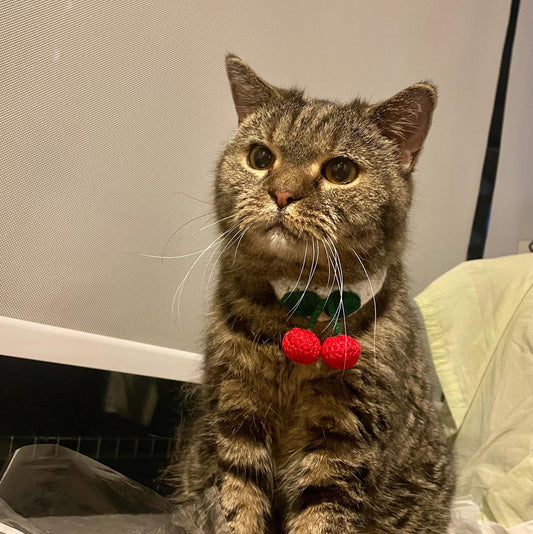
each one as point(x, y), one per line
point(322, 519)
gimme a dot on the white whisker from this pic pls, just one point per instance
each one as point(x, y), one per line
point(167, 257)
point(206, 267)
point(216, 222)
point(180, 256)
point(301, 270)
point(341, 301)
point(373, 299)
point(312, 269)
point(183, 226)
point(239, 242)
point(335, 263)
point(190, 196)
point(330, 267)
point(179, 290)
point(232, 240)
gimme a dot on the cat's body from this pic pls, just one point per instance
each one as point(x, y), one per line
point(308, 449)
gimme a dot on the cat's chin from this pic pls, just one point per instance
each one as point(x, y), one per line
point(279, 242)
point(283, 243)
point(274, 238)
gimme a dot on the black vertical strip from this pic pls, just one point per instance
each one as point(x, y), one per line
point(480, 226)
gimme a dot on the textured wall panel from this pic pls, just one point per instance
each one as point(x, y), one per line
point(112, 114)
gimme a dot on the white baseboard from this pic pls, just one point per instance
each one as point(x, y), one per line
point(24, 339)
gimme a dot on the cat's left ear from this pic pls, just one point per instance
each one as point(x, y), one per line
point(405, 119)
point(249, 91)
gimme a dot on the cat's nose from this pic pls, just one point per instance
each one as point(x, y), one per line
point(283, 198)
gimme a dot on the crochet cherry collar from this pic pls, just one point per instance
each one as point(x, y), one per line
point(302, 345)
point(302, 298)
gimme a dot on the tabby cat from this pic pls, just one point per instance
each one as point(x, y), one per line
point(313, 196)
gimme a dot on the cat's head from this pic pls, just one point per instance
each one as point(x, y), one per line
point(301, 172)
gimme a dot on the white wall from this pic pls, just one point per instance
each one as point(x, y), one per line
point(512, 209)
point(113, 112)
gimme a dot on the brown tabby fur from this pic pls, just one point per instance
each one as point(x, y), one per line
point(307, 449)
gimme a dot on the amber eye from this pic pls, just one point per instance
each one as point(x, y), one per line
point(260, 157)
point(340, 170)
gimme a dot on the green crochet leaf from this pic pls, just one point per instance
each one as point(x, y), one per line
point(301, 303)
point(351, 303)
point(305, 304)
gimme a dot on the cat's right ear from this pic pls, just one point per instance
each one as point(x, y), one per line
point(249, 91)
point(405, 119)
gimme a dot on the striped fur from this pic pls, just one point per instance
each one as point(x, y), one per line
point(309, 449)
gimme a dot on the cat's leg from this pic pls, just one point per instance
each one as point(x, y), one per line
point(327, 471)
point(243, 448)
point(344, 474)
point(324, 502)
point(191, 469)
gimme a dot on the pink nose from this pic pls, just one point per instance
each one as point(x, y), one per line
point(283, 198)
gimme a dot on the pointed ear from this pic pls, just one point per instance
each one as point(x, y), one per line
point(248, 89)
point(405, 119)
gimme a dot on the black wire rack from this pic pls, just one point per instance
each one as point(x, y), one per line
point(97, 447)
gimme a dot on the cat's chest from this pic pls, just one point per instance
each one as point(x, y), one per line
point(288, 396)
point(293, 394)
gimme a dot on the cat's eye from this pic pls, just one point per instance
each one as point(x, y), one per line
point(260, 157)
point(340, 170)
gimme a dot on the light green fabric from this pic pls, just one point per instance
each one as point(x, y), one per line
point(478, 319)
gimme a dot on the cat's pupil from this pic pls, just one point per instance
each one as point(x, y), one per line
point(260, 157)
point(341, 169)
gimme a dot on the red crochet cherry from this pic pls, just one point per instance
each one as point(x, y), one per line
point(340, 352)
point(301, 346)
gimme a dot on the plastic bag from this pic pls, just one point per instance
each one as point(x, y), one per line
point(48, 489)
point(464, 521)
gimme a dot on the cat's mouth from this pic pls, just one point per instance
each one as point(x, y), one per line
point(279, 229)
